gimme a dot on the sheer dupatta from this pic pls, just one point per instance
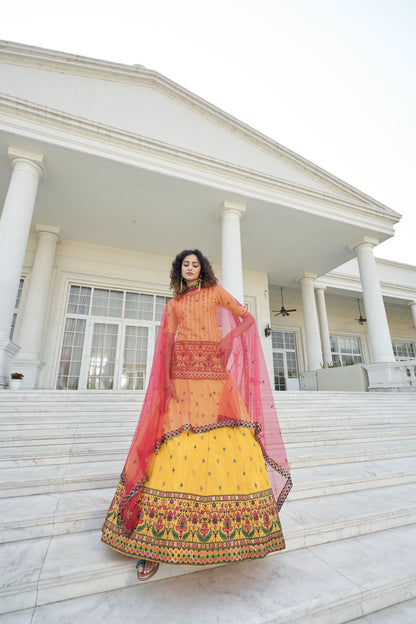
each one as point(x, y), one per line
point(250, 378)
point(246, 400)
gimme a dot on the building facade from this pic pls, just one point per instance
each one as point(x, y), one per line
point(107, 171)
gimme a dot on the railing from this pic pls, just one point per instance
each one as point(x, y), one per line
point(407, 368)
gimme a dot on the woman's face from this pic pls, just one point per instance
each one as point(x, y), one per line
point(191, 268)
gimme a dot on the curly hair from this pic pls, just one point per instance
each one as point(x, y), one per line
point(207, 274)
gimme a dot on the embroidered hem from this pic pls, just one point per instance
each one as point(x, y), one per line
point(187, 529)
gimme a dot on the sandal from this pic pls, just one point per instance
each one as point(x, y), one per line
point(141, 575)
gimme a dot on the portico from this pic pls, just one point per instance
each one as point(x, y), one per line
point(123, 196)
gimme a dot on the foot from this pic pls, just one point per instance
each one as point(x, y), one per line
point(146, 569)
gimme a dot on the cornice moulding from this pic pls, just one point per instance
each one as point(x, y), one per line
point(60, 61)
point(353, 284)
point(394, 263)
point(56, 127)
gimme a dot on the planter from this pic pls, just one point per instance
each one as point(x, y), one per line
point(14, 384)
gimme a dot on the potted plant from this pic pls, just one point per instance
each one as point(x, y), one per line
point(15, 381)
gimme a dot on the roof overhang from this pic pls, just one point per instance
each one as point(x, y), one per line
point(112, 187)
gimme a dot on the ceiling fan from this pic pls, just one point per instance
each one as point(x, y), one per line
point(362, 318)
point(283, 310)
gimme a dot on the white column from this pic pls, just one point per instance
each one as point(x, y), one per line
point(310, 317)
point(413, 308)
point(323, 324)
point(32, 326)
point(14, 231)
point(378, 329)
point(232, 266)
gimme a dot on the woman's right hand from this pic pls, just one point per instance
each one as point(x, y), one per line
point(170, 393)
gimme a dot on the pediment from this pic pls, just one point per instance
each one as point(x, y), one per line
point(142, 102)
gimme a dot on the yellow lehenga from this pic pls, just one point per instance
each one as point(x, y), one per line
point(208, 497)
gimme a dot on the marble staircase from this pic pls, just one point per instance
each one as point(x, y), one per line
point(348, 523)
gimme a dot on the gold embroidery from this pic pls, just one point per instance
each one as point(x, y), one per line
point(197, 360)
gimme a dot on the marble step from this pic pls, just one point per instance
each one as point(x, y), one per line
point(351, 477)
point(45, 421)
point(116, 447)
point(23, 481)
point(305, 522)
point(299, 402)
point(308, 400)
point(76, 451)
point(62, 435)
point(327, 409)
point(14, 455)
point(67, 407)
point(402, 613)
point(321, 480)
point(88, 433)
point(69, 579)
point(304, 395)
point(350, 452)
point(345, 436)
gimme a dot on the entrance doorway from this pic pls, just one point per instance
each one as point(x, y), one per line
point(108, 339)
point(285, 363)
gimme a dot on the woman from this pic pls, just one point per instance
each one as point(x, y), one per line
point(207, 472)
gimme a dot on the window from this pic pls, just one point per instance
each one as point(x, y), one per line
point(404, 350)
point(108, 303)
point(71, 354)
point(79, 300)
point(139, 306)
point(108, 339)
point(346, 350)
point(135, 358)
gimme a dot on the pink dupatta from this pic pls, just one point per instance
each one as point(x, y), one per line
point(248, 378)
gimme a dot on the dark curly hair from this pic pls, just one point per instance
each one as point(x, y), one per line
point(207, 275)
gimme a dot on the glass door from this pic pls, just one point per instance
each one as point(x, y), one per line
point(103, 356)
point(135, 356)
point(71, 354)
point(108, 339)
point(285, 362)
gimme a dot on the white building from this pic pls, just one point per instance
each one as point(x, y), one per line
point(107, 171)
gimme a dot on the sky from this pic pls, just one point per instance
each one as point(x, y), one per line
point(333, 80)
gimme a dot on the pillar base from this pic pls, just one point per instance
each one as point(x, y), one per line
point(388, 377)
point(8, 351)
point(30, 370)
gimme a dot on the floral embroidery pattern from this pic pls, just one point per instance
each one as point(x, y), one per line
point(197, 360)
point(198, 530)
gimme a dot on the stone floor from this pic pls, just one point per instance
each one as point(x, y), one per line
point(318, 585)
point(349, 521)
